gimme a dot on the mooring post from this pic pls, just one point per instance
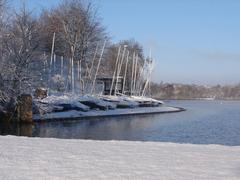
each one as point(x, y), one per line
point(25, 108)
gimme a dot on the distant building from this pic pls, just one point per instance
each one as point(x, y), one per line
point(107, 82)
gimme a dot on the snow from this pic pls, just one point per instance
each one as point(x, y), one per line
point(131, 100)
point(80, 106)
point(72, 100)
point(120, 101)
point(43, 158)
point(97, 100)
point(97, 113)
point(142, 98)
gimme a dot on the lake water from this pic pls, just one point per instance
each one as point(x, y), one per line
point(204, 122)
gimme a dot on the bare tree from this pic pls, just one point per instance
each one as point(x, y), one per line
point(77, 31)
point(20, 44)
point(2, 26)
point(135, 49)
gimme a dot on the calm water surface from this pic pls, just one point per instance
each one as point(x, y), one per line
point(204, 122)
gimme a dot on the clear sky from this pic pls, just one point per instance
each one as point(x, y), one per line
point(193, 41)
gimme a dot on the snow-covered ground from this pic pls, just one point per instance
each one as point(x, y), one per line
point(40, 158)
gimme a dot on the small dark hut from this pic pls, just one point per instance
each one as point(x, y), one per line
point(107, 82)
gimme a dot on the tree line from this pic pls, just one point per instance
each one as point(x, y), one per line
point(192, 91)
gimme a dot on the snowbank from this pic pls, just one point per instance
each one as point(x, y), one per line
point(35, 158)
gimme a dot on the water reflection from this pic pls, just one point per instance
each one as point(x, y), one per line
point(16, 129)
point(121, 128)
point(204, 122)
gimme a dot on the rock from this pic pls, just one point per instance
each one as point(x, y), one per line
point(40, 93)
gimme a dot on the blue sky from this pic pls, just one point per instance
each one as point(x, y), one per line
point(193, 41)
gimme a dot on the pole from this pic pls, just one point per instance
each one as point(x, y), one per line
point(115, 69)
point(119, 69)
point(54, 63)
point(62, 66)
point(135, 74)
point(132, 77)
point(51, 59)
point(99, 61)
point(73, 79)
point(94, 57)
point(124, 79)
point(53, 44)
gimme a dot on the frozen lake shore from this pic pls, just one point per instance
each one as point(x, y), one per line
point(44, 158)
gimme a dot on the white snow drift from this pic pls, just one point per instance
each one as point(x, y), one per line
point(35, 158)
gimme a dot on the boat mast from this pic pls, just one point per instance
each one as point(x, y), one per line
point(124, 79)
point(119, 69)
point(132, 77)
point(151, 65)
point(62, 66)
point(135, 74)
point(99, 61)
point(115, 69)
point(51, 61)
point(94, 57)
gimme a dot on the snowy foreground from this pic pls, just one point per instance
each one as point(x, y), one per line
point(39, 158)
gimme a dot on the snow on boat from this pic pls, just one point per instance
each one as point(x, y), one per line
point(120, 101)
point(146, 101)
point(69, 106)
point(67, 102)
point(96, 103)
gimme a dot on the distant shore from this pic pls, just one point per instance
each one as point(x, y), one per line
point(196, 99)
